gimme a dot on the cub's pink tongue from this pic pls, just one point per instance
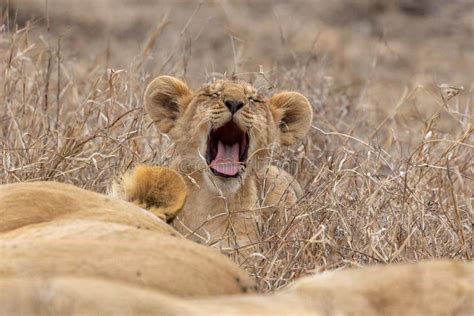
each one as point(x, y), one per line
point(227, 159)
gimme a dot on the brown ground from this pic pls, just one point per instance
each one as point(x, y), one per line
point(387, 168)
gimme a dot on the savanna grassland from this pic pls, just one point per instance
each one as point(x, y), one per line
point(387, 169)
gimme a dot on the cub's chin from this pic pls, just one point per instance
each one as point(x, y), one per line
point(224, 185)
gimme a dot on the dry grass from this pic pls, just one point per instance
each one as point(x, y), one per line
point(388, 175)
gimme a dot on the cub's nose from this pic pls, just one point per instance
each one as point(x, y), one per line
point(234, 105)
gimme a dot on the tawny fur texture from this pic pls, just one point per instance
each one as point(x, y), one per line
point(226, 211)
point(68, 251)
point(144, 187)
point(54, 229)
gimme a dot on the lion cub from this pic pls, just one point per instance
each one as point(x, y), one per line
point(224, 134)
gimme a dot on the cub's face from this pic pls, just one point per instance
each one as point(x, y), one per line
point(226, 129)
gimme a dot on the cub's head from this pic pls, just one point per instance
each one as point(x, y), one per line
point(225, 130)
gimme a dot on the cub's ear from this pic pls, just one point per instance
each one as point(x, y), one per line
point(163, 101)
point(293, 114)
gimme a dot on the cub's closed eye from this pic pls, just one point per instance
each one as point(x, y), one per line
point(256, 100)
point(212, 95)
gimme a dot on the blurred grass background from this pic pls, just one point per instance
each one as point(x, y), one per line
point(387, 168)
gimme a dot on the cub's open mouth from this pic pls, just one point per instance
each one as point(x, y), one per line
point(227, 149)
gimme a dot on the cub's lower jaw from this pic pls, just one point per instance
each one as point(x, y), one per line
point(227, 150)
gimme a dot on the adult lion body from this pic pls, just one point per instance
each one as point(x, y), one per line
point(65, 250)
point(224, 134)
point(50, 228)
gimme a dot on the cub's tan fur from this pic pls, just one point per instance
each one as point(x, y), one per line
point(222, 208)
point(164, 199)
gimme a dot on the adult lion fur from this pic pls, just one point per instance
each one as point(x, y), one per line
point(65, 250)
point(55, 229)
